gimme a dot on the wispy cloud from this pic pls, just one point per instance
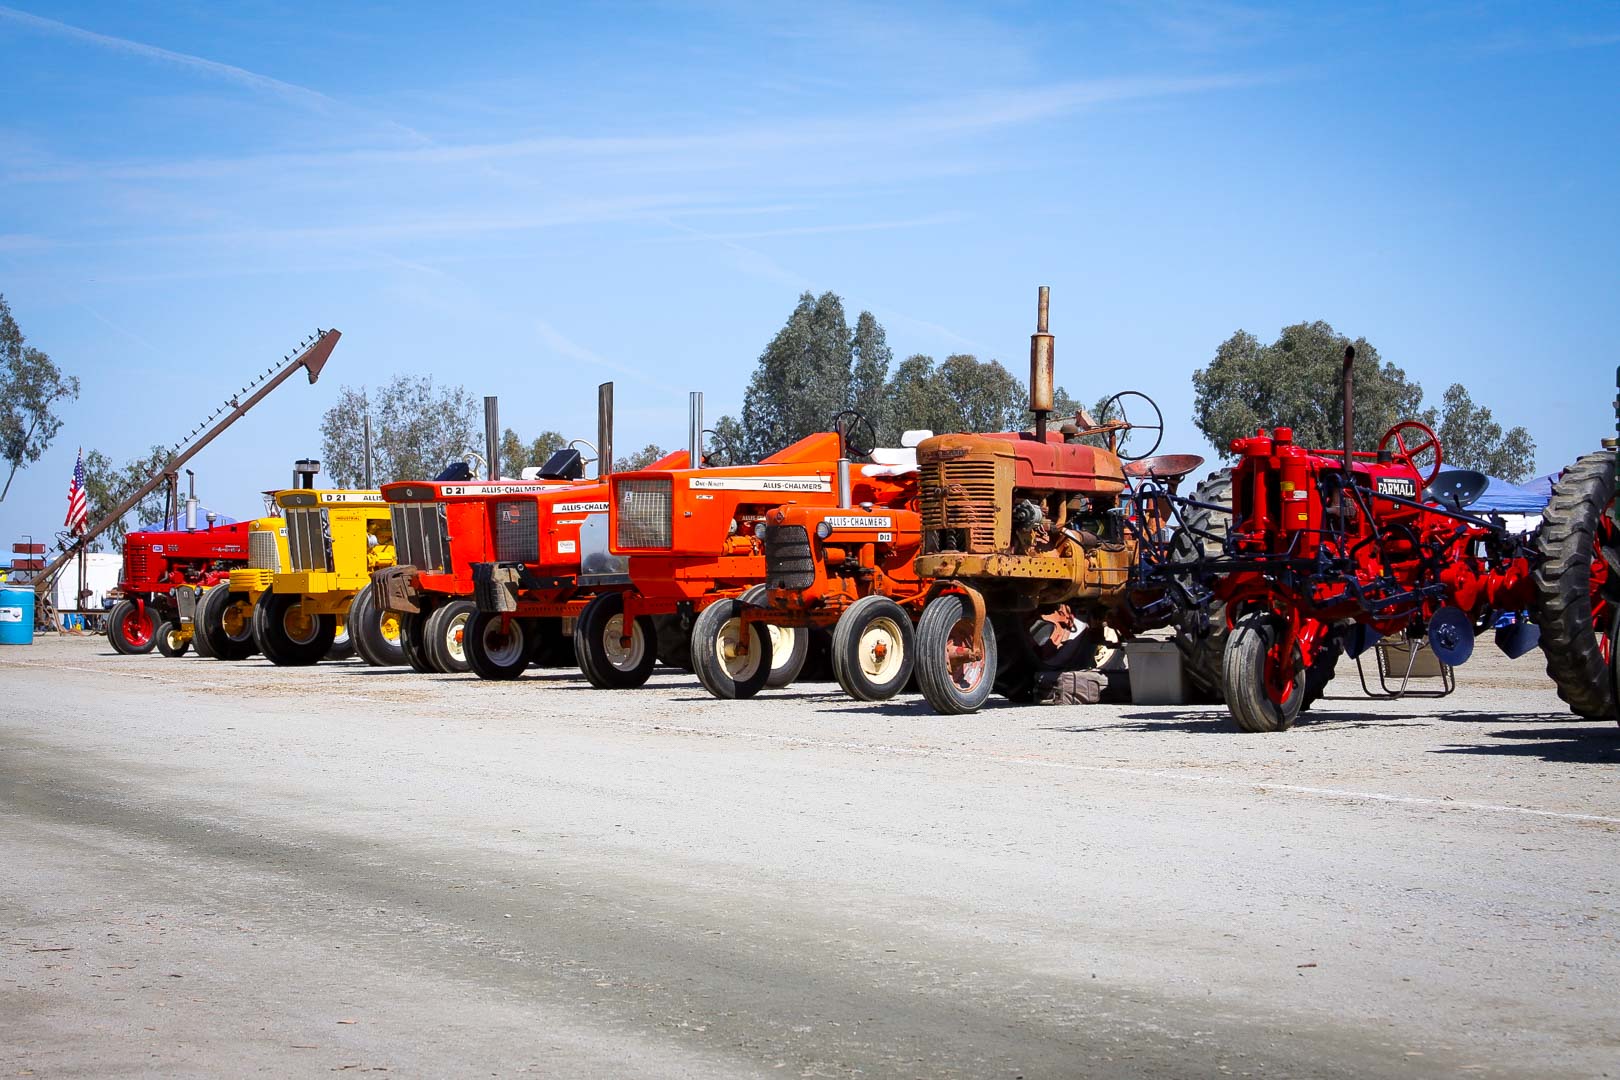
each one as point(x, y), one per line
point(562, 344)
point(252, 80)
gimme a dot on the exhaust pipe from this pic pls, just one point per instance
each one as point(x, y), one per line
point(365, 431)
point(846, 494)
point(1349, 413)
point(694, 436)
point(304, 470)
point(191, 501)
point(492, 438)
point(604, 430)
point(1042, 372)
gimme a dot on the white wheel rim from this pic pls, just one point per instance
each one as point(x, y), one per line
point(782, 641)
point(622, 657)
point(508, 654)
point(881, 650)
point(342, 637)
point(455, 638)
point(728, 641)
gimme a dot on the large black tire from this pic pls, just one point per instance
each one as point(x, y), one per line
point(375, 632)
point(555, 649)
point(496, 653)
point(1203, 649)
point(874, 649)
point(716, 635)
point(342, 642)
point(790, 645)
point(1243, 679)
point(288, 637)
point(964, 688)
point(604, 661)
point(1578, 529)
point(446, 634)
point(132, 628)
point(225, 621)
point(674, 636)
point(170, 641)
point(1322, 669)
point(413, 641)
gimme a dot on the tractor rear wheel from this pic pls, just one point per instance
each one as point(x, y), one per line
point(413, 640)
point(790, 645)
point(674, 636)
point(1202, 649)
point(1578, 585)
point(446, 636)
point(225, 621)
point(952, 680)
point(287, 634)
point(172, 639)
point(132, 628)
point(599, 648)
point(717, 636)
point(375, 631)
point(498, 653)
point(874, 649)
point(1257, 696)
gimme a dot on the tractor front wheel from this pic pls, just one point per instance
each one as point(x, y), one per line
point(1264, 690)
point(790, 645)
point(496, 653)
point(726, 668)
point(607, 659)
point(1578, 585)
point(874, 649)
point(224, 621)
point(375, 631)
point(287, 634)
point(446, 636)
point(956, 669)
point(172, 639)
point(132, 628)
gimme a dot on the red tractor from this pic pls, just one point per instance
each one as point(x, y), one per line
point(695, 541)
point(156, 564)
point(1330, 551)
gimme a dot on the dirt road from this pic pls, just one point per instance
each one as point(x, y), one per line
point(215, 869)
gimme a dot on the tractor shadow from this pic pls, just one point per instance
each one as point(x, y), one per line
point(1213, 720)
point(1596, 745)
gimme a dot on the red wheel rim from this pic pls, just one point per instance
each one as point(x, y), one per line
point(964, 658)
point(1281, 673)
point(1606, 538)
point(139, 628)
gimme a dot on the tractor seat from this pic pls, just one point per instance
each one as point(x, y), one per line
point(1456, 488)
point(1163, 466)
point(896, 460)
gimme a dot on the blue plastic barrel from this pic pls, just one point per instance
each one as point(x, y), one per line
point(16, 615)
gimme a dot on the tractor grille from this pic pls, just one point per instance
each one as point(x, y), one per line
point(135, 564)
point(960, 497)
point(309, 538)
point(789, 563)
point(263, 552)
point(517, 531)
point(644, 514)
point(420, 537)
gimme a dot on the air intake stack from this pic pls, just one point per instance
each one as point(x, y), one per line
point(304, 471)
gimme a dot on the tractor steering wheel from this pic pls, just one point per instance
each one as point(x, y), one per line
point(717, 447)
point(1113, 411)
point(849, 444)
point(1424, 440)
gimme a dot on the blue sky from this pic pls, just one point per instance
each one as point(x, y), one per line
point(533, 201)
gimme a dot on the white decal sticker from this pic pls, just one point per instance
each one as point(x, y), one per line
point(856, 521)
point(759, 483)
point(349, 497)
point(10, 614)
point(1397, 485)
point(885, 537)
point(566, 547)
point(580, 507)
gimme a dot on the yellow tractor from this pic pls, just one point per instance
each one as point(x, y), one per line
point(316, 601)
point(222, 617)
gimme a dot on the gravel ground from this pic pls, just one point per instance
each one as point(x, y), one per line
point(216, 869)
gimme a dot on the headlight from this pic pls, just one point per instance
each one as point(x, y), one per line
point(823, 530)
point(759, 530)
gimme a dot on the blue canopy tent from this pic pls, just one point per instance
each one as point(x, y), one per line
point(179, 524)
point(1506, 498)
point(1541, 485)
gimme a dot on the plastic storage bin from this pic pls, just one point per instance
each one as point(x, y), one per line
point(1155, 670)
point(16, 615)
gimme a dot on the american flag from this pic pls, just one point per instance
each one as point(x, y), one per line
point(78, 516)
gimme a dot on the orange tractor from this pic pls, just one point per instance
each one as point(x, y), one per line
point(695, 540)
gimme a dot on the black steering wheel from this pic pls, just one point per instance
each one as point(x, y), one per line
point(1114, 411)
point(717, 447)
point(857, 438)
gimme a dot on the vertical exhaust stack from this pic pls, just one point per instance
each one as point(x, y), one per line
point(694, 436)
point(304, 471)
point(365, 431)
point(191, 501)
point(604, 430)
point(492, 437)
point(846, 495)
point(1042, 373)
point(1349, 413)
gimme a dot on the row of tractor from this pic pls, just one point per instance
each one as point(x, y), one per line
point(962, 564)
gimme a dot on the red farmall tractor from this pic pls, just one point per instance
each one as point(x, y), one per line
point(848, 568)
point(1335, 550)
point(697, 561)
point(159, 564)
